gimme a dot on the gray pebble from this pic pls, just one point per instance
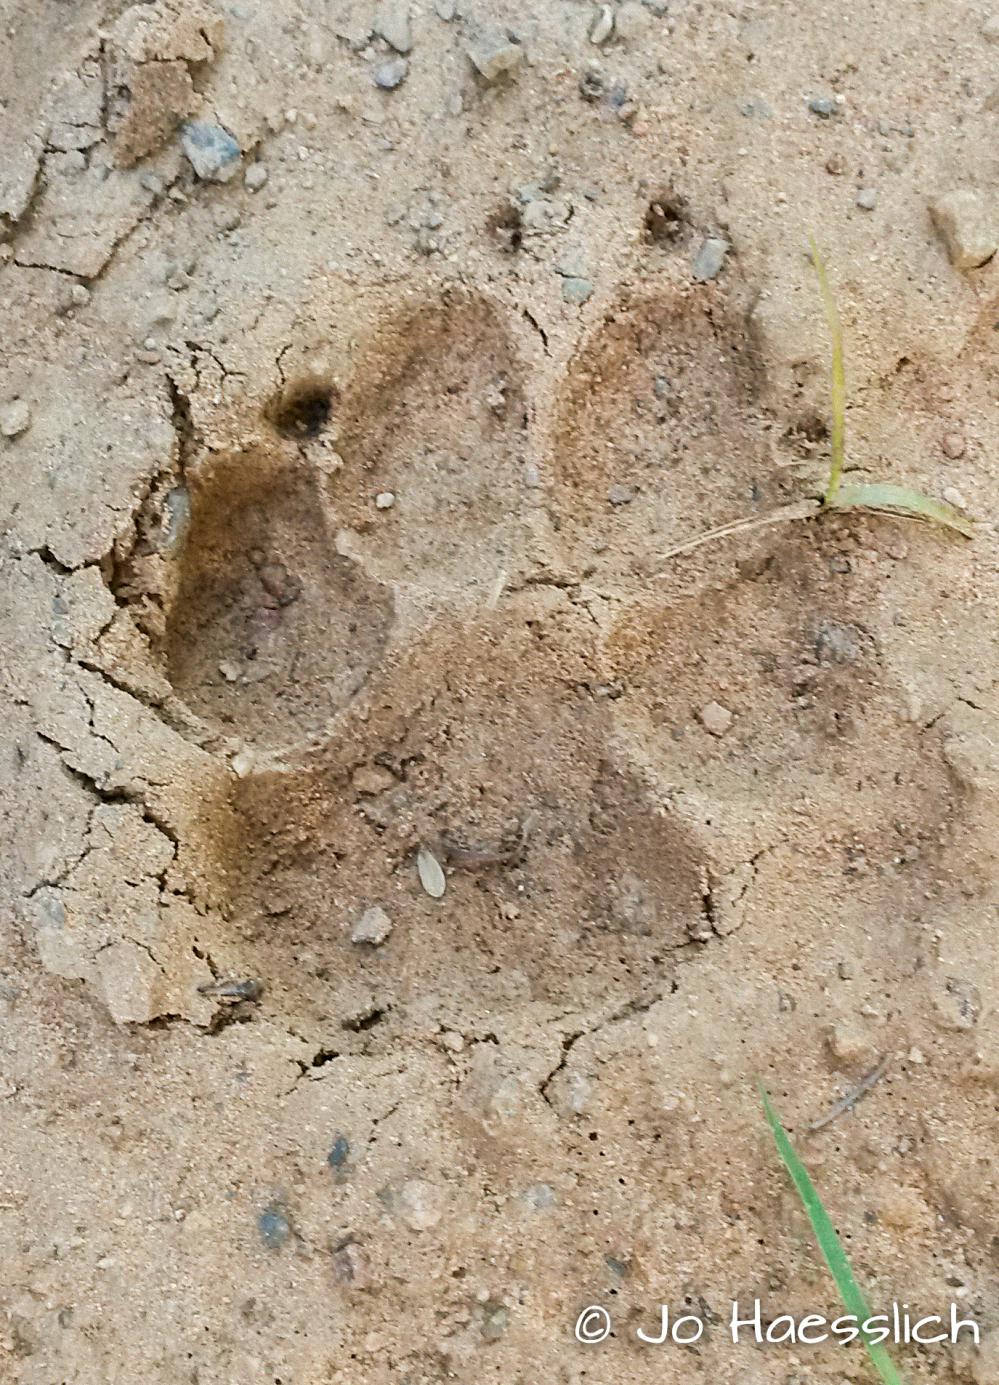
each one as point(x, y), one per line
point(867, 199)
point(493, 54)
point(210, 149)
point(576, 291)
point(391, 74)
point(392, 24)
point(15, 418)
point(495, 1321)
point(822, 106)
point(710, 258)
point(340, 1152)
point(274, 1227)
point(255, 176)
point(373, 927)
point(621, 495)
point(836, 643)
point(445, 9)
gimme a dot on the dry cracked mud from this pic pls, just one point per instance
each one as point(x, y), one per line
point(362, 363)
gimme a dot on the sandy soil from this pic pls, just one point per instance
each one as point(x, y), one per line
point(360, 366)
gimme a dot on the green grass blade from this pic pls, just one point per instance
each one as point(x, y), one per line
point(838, 375)
point(829, 1243)
point(903, 501)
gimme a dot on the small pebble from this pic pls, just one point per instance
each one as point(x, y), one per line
point(495, 1321)
point(15, 418)
point(621, 495)
point(709, 259)
point(952, 445)
point(715, 718)
point(954, 497)
point(274, 1227)
point(384, 500)
point(340, 1152)
point(255, 176)
point(603, 25)
point(210, 149)
point(822, 106)
point(350, 1266)
point(576, 291)
point(372, 779)
point(867, 199)
point(492, 54)
point(373, 927)
point(420, 1204)
point(445, 9)
point(836, 165)
point(850, 1044)
point(392, 24)
point(967, 226)
point(389, 75)
point(279, 583)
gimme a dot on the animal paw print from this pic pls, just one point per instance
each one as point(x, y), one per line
point(363, 618)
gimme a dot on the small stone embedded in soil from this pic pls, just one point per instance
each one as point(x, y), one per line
point(350, 1266)
point(393, 25)
point(431, 873)
point(420, 1204)
point(576, 291)
point(836, 643)
point(850, 1044)
point(339, 1153)
point(867, 199)
point(967, 225)
point(274, 1227)
point(621, 495)
point(709, 259)
point(384, 500)
point(495, 1321)
point(210, 149)
point(372, 779)
point(373, 927)
point(279, 583)
point(603, 25)
point(822, 106)
point(387, 76)
point(493, 54)
point(715, 718)
point(15, 418)
point(953, 445)
point(255, 176)
point(954, 497)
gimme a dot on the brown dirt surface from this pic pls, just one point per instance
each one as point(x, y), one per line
point(362, 361)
